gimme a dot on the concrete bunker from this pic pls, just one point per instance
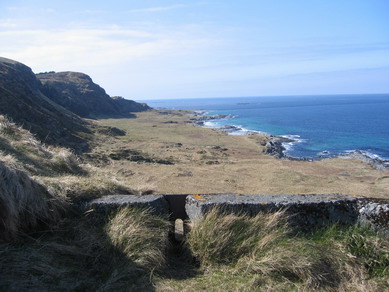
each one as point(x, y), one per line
point(308, 211)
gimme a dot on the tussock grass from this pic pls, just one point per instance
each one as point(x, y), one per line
point(141, 237)
point(262, 250)
point(123, 252)
point(64, 161)
point(33, 156)
point(24, 202)
point(60, 170)
point(88, 253)
point(362, 244)
point(222, 238)
point(79, 188)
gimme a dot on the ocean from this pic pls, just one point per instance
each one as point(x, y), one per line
point(321, 125)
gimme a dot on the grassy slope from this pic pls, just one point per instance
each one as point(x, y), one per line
point(22, 101)
point(87, 253)
point(38, 181)
point(240, 253)
point(129, 250)
point(46, 244)
point(243, 168)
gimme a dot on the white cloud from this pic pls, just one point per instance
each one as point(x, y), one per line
point(83, 49)
point(9, 23)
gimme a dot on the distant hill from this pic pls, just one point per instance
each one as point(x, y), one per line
point(79, 94)
point(126, 106)
point(22, 100)
point(51, 105)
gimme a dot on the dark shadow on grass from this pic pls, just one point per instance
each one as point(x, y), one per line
point(74, 255)
point(121, 116)
point(181, 264)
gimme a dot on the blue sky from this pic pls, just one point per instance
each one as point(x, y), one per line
point(186, 49)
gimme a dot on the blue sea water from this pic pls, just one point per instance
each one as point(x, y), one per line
point(322, 125)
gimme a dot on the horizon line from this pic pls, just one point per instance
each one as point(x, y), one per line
point(252, 96)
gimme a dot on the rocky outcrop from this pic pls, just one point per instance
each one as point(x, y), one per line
point(274, 146)
point(22, 100)
point(199, 118)
point(79, 94)
point(126, 106)
point(368, 158)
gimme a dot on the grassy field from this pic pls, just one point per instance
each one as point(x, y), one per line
point(48, 244)
point(129, 251)
point(208, 161)
point(260, 253)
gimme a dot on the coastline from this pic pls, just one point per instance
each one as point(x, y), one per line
point(206, 160)
point(278, 145)
point(274, 146)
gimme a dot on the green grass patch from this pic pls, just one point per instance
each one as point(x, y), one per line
point(263, 249)
point(361, 243)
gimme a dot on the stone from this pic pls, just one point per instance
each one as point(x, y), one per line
point(308, 211)
point(157, 204)
point(375, 214)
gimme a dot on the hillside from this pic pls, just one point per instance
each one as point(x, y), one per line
point(22, 100)
point(53, 237)
point(79, 94)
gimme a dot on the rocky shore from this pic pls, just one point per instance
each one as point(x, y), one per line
point(275, 145)
point(376, 162)
point(199, 118)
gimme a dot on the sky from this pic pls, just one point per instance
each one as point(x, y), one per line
point(193, 48)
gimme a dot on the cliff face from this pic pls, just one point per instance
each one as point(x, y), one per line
point(22, 100)
point(79, 94)
point(125, 106)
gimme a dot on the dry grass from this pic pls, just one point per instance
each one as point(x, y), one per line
point(235, 252)
point(140, 236)
point(261, 251)
point(78, 188)
point(222, 238)
point(33, 156)
point(87, 253)
point(36, 181)
point(64, 161)
point(24, 202)
point(58, 167)
point(237, 163)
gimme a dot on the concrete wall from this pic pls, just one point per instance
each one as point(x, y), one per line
point(307, 211)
